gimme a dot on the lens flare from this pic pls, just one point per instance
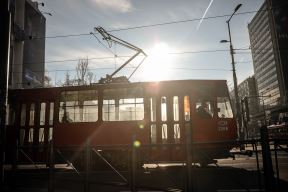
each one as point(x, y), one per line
point(136, 143)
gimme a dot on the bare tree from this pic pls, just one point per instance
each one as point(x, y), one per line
point(81, 71)
point(67, 81)
point(83, 75)
point(47, 80)
point(90, 77)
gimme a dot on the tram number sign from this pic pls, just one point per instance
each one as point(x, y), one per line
point(222, 126)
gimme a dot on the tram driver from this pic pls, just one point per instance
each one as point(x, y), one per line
point(203, 110)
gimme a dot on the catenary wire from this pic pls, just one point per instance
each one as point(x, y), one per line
point(146, 26)
point(239, 51)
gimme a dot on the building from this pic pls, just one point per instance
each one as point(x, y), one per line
point(27, 60)
point(247, 89)
point(248, 96)
point(268, 33)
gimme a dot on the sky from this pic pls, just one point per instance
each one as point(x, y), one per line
point(175, 50)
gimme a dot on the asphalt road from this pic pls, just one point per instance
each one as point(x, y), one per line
point(240, 174)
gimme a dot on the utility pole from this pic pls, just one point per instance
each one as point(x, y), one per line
point(238, 111)
point(5, 20)
point(235, 81)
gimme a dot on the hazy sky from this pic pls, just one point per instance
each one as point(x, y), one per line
point(159, 42)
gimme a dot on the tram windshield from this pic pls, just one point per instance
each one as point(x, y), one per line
point(224, 107)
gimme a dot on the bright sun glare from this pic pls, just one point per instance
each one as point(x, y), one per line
point(156, 67)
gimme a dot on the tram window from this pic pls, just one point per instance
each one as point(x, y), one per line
point(224, 107)
point(31, 135)
point(163, 108)
point(125, 104)
point(177, 133)
point(51, 113)
point(21, 136)
point(153, 134)
point(131, 109)
point(175, 108)
point(50, 135)
point(109, 110)
point(204, 109)
point(42, 113)
point(41, 135)
point(23, 114)
point(164, 133)
point(90, 111)
point(78, 106)
point(187, 108)
point(153, 109)
point(32, 114)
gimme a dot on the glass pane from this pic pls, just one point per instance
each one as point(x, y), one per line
point(163, 109)
point(78, 106)
point(32, 114)
point(176, 132)
point(21, 136)
point(50, 136)
point(109, 110)
point(130, 110)
point(42, 113)
point(153, 134)
point(41, 135)
point(23, 115)
point(90, 111)
point(175, 108)
point(224, 107)
point(164, 133)
point(125, 104)
point(153, 109)
point(204, 109)
point(186, 108)
point(51, 113)
point(31, 135)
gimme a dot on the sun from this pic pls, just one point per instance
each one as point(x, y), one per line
point(158, 62)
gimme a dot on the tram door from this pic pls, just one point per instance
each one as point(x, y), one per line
point(169, 115)
point(35, 129)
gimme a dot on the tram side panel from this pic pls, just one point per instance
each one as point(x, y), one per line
point(29, 124)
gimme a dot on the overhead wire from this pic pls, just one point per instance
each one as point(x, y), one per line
point(126, 56)
point(147, 26)
point(239, 51)
point(108, 68)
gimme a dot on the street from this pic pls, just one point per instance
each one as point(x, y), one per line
point(239, 174)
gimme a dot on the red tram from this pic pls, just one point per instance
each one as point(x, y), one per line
point(153, 115)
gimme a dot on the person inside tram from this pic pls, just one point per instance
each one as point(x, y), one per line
point(203, 110)
point(66, 118)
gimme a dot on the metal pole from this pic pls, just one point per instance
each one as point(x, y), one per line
point(238, 112)
point(189, 154)
point(51, 185)
point(264, 112)
point(269, 181)
point(87, 165)
point(133, 165)
point(5, 20)
point(276, 165)
point(257, 162)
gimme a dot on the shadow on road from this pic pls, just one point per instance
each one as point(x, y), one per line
point(166, 178)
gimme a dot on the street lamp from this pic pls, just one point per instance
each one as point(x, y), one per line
point(47, 13)
point(238, 113)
